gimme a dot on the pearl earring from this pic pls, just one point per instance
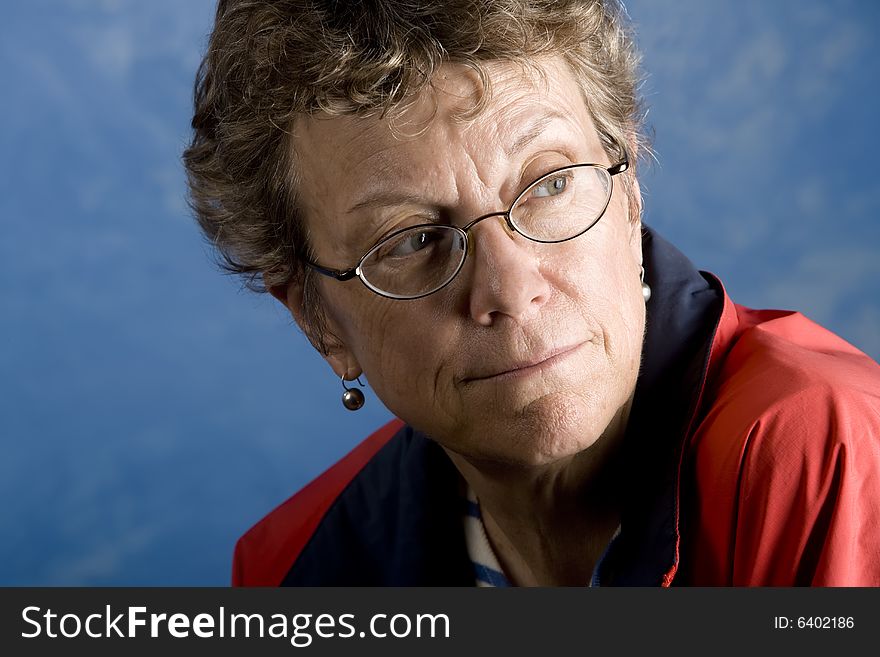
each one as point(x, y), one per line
point(646, 289)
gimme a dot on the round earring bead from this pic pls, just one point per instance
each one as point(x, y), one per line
point(353, 399)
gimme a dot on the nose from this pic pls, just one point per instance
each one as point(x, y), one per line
point(505, 279)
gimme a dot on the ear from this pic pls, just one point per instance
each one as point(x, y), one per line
point(319, 331)
point(634, 207)
point(634, 194)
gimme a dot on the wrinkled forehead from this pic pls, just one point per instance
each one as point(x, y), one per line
point(443, 113)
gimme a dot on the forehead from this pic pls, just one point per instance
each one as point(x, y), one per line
point(433, 149)
point(517, 94)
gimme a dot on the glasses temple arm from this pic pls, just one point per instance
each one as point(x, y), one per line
point(346, 275)
point(620, 167)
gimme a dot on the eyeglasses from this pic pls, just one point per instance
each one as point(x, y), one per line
point(419, 260)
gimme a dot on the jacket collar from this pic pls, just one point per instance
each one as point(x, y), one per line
point(682, 317)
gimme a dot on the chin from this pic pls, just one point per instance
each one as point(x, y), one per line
point(550, 429)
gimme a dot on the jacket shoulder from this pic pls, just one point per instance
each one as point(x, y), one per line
point(785, 366)
point(265, 553)
point(787, 457)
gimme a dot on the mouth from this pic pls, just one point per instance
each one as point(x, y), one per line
point(528, 367)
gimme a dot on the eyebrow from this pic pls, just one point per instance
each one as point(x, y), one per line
point(391, 198)
point(533, 132)
point(388, 198)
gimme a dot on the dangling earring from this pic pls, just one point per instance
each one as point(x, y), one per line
point(352, 398)
point(646, 289)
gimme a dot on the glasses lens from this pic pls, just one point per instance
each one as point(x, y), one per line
point(415, 261)
point(563, 204)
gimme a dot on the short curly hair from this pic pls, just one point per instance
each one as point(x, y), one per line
point(271, 61)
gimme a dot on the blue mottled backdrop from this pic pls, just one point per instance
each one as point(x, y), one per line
point(150, 411)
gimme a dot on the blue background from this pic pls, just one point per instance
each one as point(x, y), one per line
point(150, 411)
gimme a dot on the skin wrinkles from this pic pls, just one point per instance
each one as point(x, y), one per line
point(489, 239)
point(531, 447)
point(385, 168)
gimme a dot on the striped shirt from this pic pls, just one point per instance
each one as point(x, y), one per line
point(487, 570)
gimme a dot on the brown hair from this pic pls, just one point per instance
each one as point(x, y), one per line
point(270, 61)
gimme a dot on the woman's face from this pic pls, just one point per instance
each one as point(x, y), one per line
point(533, 349)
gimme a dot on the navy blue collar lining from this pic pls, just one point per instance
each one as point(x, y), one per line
point(683, 313)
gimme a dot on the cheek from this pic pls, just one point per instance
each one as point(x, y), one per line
point(598, 273)
point(404, 348)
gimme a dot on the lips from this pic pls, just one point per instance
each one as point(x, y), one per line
point(525, 366)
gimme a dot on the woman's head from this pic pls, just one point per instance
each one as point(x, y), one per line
point(320, 131)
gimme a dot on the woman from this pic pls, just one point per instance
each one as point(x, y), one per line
point(578, 405)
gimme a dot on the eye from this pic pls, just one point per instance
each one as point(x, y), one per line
point(552, 186)
point(408, 243)
point(413, 243)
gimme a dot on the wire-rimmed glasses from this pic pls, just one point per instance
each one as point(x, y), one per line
point(416, 261)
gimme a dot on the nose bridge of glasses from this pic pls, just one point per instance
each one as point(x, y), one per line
point(509, 228)
point(507, 223)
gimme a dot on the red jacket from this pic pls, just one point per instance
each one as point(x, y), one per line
point(784, 461)
point(752, 458)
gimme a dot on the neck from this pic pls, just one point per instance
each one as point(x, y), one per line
point(550, 524)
